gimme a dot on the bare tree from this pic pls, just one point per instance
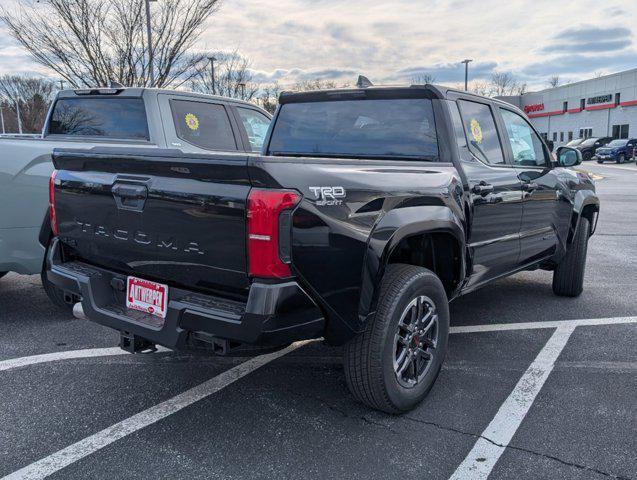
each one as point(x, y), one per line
point(315, 84)
point(423, 79)
point(91, 42)
point(233, 77)
point(553, 81)
point(505, 84)
point(33, 96)
point(479, 87)
point(268, 97)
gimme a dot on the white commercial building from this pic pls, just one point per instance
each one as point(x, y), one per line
point(600, 107)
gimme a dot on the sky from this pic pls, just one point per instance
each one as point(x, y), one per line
point(394, 41)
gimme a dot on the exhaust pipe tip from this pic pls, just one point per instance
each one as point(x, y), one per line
point(78, 311)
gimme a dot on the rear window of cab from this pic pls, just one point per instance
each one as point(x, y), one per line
point(108, 117)
point(379, 128)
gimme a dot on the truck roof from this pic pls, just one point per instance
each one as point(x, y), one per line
point(380, 92)
point(138, 92)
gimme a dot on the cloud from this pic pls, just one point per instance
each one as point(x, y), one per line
point(583, 47)
point(585, 33)
point(579, 64)
point(300, 75)
point(391, 42)
point(448, 72)
point(615, 11)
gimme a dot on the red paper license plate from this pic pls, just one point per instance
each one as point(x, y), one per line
point(147, 296)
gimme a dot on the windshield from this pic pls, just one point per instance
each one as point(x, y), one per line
point(618, 143)
point(397, 128)
point(589, 142)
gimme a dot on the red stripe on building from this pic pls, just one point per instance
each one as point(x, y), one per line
point(630, 103)
point(601, 107)
point(574, 110)
point(545, 114)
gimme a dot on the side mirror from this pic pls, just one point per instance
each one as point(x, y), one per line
point(568, 157)
point(551, 145)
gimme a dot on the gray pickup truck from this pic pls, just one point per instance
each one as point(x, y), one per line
point(107, 117)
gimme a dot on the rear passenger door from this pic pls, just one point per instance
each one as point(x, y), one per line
point(496, 195)
point(199, 125)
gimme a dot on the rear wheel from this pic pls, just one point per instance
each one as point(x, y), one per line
point(587, 156)
point(568, 277)
point(393, 364)
point(600, 161)
point(621, 159)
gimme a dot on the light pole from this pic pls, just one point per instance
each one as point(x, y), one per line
point(212, 73)
point(466, 62)
point(17, 109)
point(2, 119)
point(149, 37)
point(242, 86)
point(61, 84)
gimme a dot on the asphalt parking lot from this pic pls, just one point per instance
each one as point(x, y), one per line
point(520, 395)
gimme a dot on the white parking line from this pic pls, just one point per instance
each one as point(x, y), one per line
point(73, 453)
point(68, 355)
point(495, 438)
point(495, 327)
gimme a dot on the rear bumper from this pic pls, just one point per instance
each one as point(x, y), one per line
point(274, 314)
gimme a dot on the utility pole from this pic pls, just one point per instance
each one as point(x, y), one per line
point(212, 73)
point(61, 84)
point(466, 62)
point(2, 119)
point(149, 38)
point(242, 86)
point(17, 109)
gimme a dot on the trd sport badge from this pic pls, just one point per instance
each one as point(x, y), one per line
point(327, 196)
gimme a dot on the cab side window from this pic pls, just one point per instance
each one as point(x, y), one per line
point(256, 125)
point(481, 132)
point(205, 125)
point(528, 150)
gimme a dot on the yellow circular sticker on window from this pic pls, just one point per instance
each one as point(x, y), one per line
point(476, 130)
point(192, 122)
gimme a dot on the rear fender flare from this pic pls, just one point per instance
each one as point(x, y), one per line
point(393, 227)
point(584, 200)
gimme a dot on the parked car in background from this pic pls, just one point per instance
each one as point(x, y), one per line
point(575, 142)
point(619, 151)
point(589, 146)
point(369, 210)
point(141, 119)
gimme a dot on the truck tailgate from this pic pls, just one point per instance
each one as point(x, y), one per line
point(158, 214)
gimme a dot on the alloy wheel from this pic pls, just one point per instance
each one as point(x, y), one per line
point(415, 341)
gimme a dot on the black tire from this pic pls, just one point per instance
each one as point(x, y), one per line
point(600, 161)
point(369, 357)
point(587, 156)
point(568, 276)
point(621, 159)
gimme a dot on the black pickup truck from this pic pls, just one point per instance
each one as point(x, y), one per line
point(368, 210)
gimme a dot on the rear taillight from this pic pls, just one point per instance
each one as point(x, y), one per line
point(52, 214)
point(269, 227)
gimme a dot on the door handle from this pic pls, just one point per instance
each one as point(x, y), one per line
point(482, 189)
point(530, 186)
